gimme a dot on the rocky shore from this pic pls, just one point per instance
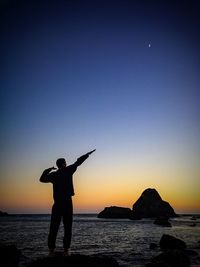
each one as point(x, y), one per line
point(10, 257)
point(75, 261)
point(172, 252)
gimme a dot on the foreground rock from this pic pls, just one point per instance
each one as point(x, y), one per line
point(75, 261)
point(151, 205)
point(170, 258)
point(9, 255)
point(115, 212)
point(174, 253)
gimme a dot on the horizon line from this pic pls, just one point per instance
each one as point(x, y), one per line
point(85, 213)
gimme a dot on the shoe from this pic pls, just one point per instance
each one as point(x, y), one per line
point(66, 253)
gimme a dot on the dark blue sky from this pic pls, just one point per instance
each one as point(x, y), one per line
point(80, 74)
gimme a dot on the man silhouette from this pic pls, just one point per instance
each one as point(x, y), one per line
point(63, 190)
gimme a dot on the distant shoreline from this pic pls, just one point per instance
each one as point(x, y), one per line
point(42, 214)
point(80, 214)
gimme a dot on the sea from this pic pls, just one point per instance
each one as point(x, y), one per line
point(127, 241)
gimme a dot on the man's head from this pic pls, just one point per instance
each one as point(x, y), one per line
point(61, 163)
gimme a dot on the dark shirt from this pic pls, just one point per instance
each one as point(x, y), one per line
point(62, 180)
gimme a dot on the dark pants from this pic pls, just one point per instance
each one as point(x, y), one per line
point(64, 211)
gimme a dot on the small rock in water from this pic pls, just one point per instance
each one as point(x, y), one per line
point(163, 221)
point(153, 245)
point(171, 242)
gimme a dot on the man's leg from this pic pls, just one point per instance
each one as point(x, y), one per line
point(54, 225)
point(67, 221)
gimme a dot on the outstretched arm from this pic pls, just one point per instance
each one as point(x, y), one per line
point(46, 177)
point(83, 158)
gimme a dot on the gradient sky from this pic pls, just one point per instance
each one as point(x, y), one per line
point(118, 76)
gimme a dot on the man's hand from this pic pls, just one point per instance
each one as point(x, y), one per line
point(45, 175)
point(90, 152)
point(51, 169)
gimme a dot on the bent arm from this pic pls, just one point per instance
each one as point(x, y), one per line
point(46, 176)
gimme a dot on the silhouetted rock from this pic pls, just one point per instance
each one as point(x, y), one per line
point(174, 254)
point(75, 261)
point(151, 205)
point(163, 221)
point(171, 242)
point(3, 213)
point(9, 255)
point(115, 212)
point(170, 258)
